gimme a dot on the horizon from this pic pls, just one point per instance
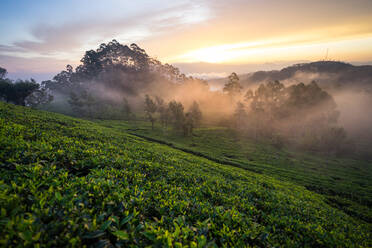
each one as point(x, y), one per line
point(209, 39)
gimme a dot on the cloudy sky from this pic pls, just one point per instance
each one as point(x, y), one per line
point(204, 37)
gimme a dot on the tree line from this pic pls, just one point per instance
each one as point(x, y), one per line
point(301, 113)
point(23, 92)
point(172, 113)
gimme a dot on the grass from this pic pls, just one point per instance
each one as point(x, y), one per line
point(71, 182)
point(344, 181)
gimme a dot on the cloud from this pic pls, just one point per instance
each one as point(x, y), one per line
point(192, 31)
point(72, 38)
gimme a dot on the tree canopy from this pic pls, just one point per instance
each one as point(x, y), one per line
point(233, 87)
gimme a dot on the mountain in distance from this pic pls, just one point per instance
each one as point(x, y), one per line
point(331, 75)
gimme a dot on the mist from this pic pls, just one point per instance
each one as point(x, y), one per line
point(313, 106)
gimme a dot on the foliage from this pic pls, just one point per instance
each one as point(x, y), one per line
point(127, 110)
point(295, 112)
point(23, 92)
point(233, 87)
point(69, 182)
point(342, 179)
point(3, 73)
point(108, 74)
point(196, 114)
point(240, 115)
point(150, 109)
point(177, 114)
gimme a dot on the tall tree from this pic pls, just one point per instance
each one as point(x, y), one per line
point(3, 73)
point(39, 97)
point(177, 113)
point(21, 90)
point(164, 112)
point(150, 109)
point(195, 114)
point(240, 115)
point(127, 111)
point(232, 87)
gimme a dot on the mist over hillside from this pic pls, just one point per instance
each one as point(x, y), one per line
point(330, 75)
point(350, 85)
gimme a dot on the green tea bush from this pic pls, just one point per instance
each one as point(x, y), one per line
point(69, 182)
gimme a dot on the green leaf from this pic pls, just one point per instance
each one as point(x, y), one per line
point(121, 235)
point(26, 236)
point(105, 225)
point(94, 235)
point(58, 196)
point(126, 219)
point(149, 235)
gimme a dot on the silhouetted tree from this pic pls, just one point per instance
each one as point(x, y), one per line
point(114, 67)
point(164, 112)
point(6, 90)
point(127, 111)
point(177, 114)
point(39, 97)
point(240, 115)
point(188, 124)
point(3, 73)
point(195, 114)
point(150, 109)
point(233, 87)
point(17, 92)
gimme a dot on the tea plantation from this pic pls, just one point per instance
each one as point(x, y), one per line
point(71, 182)
point(344, 179)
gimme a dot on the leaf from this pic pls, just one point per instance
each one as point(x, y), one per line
point(26, 236)
point(94, 235)
point(58, 196)
point(121, 235)
point(126, 219)
point(149, 235)
point(36, 237)
point(105, 225)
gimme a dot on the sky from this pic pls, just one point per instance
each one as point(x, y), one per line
point(207, 38)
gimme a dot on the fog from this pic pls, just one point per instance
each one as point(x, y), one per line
point(323, 106)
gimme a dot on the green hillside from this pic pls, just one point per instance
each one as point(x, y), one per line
point(71, 182)
point(344, 180)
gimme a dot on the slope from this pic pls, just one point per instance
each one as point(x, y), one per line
point(70, 182)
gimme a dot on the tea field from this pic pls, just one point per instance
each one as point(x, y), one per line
point(344, 180)
point(72, 182)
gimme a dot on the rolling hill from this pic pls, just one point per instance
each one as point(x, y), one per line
point(330, 75)
point(73, 182)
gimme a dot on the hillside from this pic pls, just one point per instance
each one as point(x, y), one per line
point(329, 74)
point(343, 180)
point(71, 182)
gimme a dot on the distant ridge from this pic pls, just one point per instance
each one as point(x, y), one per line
point(326, 73)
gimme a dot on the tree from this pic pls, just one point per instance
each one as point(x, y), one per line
point(240, 115)
point(127, 111)
point(249, 95)
point(3, 73)
point(188, 124)
point(177, 114)
point(6, 88)
point(125, 70)
point(150, 109)
point(76, 103)
point(233, 87)
point(39, 97)
point(164, 112)
point(18, 92)
point(195, 114)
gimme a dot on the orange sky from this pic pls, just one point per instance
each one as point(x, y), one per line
point(45, 36)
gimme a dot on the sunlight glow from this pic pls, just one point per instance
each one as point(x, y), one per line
point(276, 49)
